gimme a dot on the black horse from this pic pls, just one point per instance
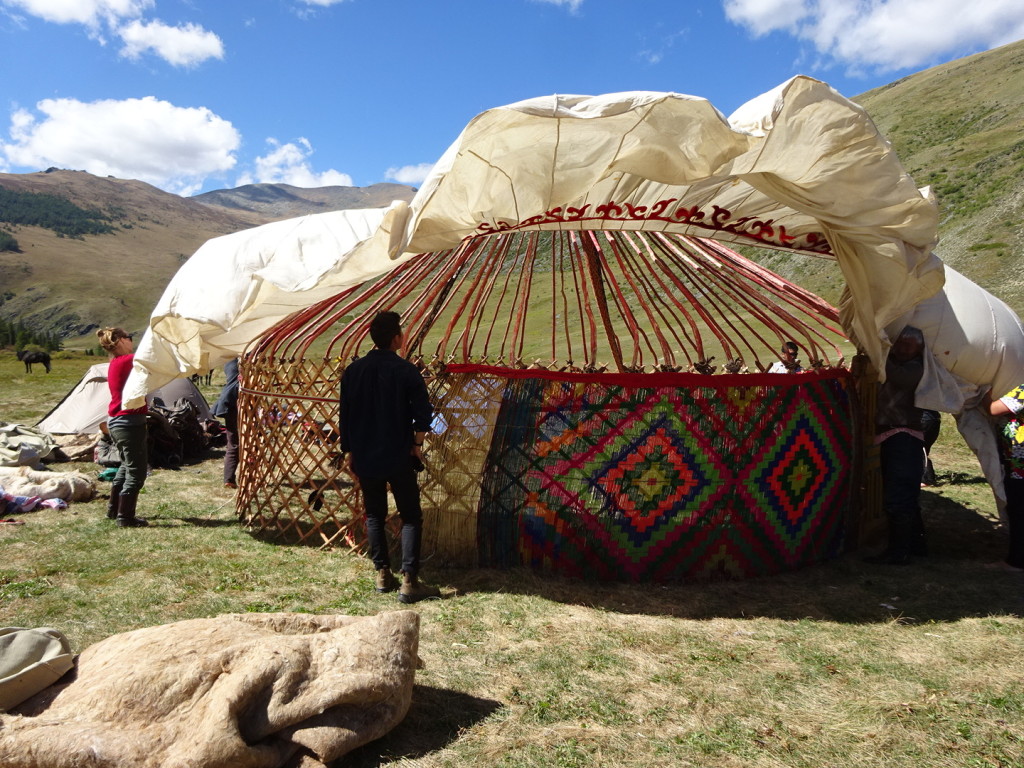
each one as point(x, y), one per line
point(34, 357)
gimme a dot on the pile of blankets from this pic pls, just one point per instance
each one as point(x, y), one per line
point(23, 489)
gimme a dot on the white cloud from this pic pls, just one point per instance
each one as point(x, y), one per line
point(184, 46)
point(572, 5)
point(655, 47)
point(410, 174)
point(88, 12)
point(308, 9)
point(764, 16)
point(289, 164)
point(174, 148)
point(885, 35)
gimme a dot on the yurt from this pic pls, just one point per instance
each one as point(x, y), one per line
point(583, 425)
point(594, 348)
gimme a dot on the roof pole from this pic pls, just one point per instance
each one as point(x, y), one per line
point(594, 268)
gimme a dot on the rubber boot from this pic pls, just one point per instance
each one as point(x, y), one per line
point(1015, 523)
point(115, 500)
point(126, 512)
point(386, 581)
point(412, 591)
point(900, 539)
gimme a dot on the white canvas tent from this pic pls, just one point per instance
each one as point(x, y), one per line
point(85, 406)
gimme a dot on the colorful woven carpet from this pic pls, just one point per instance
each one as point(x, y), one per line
point(688, 477)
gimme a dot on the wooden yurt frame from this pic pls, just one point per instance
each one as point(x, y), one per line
point(618, 304)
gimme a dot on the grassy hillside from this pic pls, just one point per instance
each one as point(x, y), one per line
point(958, 128)
point(71, 285)
point(74, 284)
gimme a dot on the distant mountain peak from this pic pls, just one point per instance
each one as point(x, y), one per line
point(282, 201)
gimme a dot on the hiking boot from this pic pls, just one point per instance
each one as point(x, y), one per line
point(115, 500)
point(126, 512)
point(412, 591)
point(386, 581)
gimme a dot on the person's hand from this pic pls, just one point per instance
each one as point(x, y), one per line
point(416, 456)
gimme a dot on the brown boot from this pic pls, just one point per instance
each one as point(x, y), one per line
point(386, 581)
point(412, 591)
point(115, 500)
point(126, 512)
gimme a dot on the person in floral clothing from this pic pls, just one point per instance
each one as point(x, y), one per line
point(1009, 414)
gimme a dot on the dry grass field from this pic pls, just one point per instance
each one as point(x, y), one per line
point(843, 665)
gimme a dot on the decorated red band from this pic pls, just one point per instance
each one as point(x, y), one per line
point(720, 219)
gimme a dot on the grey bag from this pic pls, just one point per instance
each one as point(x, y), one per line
point(22, 446)
point(30, 660)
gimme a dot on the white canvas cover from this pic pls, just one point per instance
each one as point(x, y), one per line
point(800, 167)
point(974, 342)
point(85, 406)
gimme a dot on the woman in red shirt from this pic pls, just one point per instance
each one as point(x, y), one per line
point(127, 428)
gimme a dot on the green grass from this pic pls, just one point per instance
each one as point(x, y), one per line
point(987, 246)
point(957, 127)
point(840, 665)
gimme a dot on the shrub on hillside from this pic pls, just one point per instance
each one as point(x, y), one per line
point(8, 243)
point(51, 212)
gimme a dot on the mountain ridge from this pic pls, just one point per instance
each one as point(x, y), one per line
point(282, 201)
point(71, 286)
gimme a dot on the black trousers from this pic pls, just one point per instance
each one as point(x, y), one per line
point(231, 444)
point(1015, 519)
point(902, 457)
point(407, 499)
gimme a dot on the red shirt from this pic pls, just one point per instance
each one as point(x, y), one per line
point(117, 375)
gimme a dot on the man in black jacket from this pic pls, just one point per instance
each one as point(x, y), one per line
point(385, 415)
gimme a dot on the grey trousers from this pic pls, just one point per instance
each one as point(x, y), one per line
point(130, 439)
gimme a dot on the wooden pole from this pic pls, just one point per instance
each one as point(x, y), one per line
point(595, 268)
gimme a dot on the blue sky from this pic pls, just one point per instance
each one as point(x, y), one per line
point(194, 95)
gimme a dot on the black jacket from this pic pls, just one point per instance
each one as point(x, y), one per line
point(229, 393)
point(383, 402)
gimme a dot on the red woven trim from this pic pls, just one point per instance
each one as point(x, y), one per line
point(660, 379)
point(670, 212)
